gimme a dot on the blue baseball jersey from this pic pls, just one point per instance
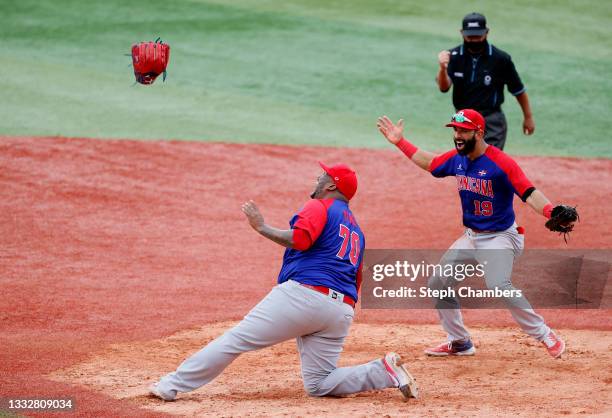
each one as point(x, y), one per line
point(334, 257)
point(486, 185)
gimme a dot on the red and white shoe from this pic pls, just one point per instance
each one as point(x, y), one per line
point(453, 348)
point(400, 375)
point(554, 344)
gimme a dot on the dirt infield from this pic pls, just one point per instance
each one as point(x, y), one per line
point(511, 374)
point(124, 243)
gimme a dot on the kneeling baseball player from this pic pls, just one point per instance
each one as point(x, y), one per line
point(487, 180)
point(313, 302)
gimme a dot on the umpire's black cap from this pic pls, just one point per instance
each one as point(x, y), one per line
point(474, 24)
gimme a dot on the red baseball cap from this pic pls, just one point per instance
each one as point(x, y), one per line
point(467, 119)
point(343, 177)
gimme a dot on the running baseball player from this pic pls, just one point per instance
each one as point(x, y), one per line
point(487, 180)
point(313, 302)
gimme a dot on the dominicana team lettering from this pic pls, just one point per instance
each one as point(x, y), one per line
point(480, 186)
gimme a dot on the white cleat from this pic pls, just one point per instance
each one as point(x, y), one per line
point(155, 391)
point(400, 375)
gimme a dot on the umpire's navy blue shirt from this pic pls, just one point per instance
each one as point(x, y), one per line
point(479, 79)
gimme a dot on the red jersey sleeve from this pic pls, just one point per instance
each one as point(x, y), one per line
point(309, 225)
point(442, 165)
point(517, 178)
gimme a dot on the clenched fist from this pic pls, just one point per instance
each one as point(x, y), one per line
point(443, 59)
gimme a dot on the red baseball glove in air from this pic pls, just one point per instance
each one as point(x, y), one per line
point(150, 60)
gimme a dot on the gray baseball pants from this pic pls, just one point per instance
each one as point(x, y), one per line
point(496, 129)
point(317, 322)
point(496, 252)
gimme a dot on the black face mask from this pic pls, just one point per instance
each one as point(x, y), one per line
point(475, 46)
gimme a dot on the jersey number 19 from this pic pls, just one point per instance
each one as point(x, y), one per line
point(484, 208)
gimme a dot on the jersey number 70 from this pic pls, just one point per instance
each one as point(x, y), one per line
point(354, 241)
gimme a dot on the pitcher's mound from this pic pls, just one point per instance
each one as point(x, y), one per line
point(510, 375)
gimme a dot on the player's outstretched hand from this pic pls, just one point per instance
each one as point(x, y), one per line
point(253, 215)
point(393, 133)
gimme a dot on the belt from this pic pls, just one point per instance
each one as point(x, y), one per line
point(331, 293)
point(482, 231)
point(519, 229)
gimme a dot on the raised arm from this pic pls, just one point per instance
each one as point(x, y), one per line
point(395, 135)
point(283, 237)
point(305, 231)
point(442, 78)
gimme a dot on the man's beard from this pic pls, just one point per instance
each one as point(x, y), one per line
point(468, 145)
point(316, 192)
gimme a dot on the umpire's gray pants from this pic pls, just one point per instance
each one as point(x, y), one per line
point(496, 252)
point(496, 129)
point(290, 310)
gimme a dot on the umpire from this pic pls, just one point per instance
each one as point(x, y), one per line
point(478, 71)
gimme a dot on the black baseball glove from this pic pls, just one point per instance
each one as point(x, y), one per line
point(562, 220)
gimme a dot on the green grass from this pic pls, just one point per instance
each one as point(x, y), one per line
point(297, 72)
